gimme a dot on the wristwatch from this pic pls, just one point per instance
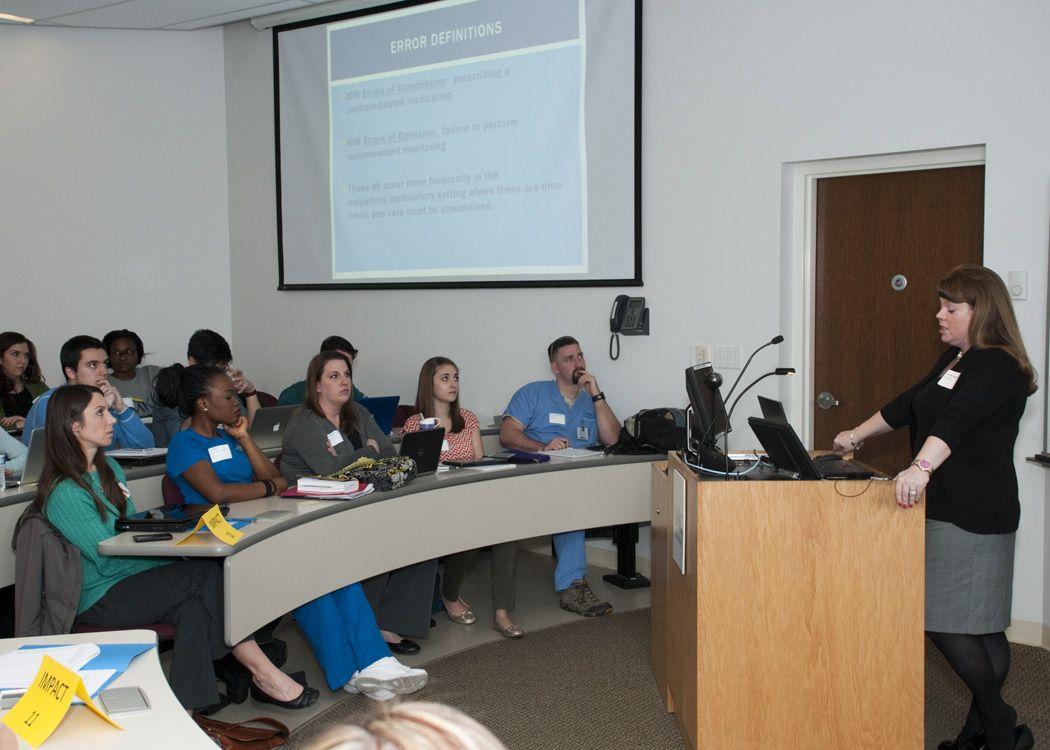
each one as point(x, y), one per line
point(923, 465)
point(599, 397)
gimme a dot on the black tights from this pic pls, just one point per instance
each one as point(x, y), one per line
point(982, 661)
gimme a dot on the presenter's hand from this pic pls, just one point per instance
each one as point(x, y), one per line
point(239, 429)
point(909, 486)
point(112, 395)
point(842, 442)
point(556, 444)
point(13, 423)
point(589, 383)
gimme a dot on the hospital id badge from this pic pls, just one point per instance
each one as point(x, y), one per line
point(582, 433)
point(949, 379)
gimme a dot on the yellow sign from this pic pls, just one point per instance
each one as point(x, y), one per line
point(218, 526)
point(40, 710)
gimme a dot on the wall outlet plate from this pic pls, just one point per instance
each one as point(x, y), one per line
point(701, 354)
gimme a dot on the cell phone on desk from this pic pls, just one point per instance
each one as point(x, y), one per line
point(158, 537)
point(124, 700)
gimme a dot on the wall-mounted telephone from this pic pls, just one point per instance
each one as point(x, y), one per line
point(630, 317)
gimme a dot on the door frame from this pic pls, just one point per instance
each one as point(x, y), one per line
point(798, 257)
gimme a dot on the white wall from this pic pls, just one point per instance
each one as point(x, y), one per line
point(732, 91)
point(113, 208)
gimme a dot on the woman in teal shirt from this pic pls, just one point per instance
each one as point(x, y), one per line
point(82, 493)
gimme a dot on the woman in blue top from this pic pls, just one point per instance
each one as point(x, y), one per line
point(82, 493)
point(215, 460)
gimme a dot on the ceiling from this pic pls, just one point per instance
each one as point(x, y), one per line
point(147, 14)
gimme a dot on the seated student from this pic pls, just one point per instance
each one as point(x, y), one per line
point(83, 361)
point(16, 454)
point(20, 379)
point(215, 460)
point(569, 411)
point(135, 380)
point(82, 493)
point(296, 392)
point(437, 396)
point(332, 432)
point(205, 348)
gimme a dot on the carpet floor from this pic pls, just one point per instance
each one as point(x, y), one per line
point(588, 685)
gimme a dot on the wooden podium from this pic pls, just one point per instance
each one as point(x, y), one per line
point(798, 622)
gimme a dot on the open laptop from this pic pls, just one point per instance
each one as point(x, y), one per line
point(772, 410)
point(786, 452)
point(424, 447)
point(34, 461)
point(382, 409)
point(267, 428)
point(166, 518)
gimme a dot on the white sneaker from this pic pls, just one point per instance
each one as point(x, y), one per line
point(378, 695)
point(385, 678)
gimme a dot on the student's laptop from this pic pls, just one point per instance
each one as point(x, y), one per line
point(424, 447)
point(786, 452)
point(34, 461)
point(267, 428)
point(166, 518)
point(382, 409)
point(772, 410)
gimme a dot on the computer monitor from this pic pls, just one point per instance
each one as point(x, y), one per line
point(709, 413)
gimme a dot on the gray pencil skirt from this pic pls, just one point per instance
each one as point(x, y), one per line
point(969, 580)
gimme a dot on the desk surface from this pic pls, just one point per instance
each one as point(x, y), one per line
point(166, 726)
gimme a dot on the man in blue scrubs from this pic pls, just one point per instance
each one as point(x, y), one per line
point(567, 412)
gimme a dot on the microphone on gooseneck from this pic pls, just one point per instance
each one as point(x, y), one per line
point(708, 381)
point(752, 384)
point(778, 339)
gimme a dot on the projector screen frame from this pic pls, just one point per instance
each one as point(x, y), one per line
point(635, 280)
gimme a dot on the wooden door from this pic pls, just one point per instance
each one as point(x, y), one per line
point(871, 340)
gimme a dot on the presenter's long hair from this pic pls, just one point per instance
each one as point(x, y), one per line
point(32, 371)
point(347, 416)
point(425, 393)
point(993, 323)
point(64, 457)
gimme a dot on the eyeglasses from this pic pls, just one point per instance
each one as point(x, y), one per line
point(121, 353)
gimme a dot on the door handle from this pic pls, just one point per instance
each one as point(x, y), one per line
point(826, 401)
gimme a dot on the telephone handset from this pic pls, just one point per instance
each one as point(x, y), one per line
point(630, 317)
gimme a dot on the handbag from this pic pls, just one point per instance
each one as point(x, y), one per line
point(383, 474)
point(241, 736)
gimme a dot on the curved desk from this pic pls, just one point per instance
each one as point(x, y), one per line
point(166, 726)
point(318, 546)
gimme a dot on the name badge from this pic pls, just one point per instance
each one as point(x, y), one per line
point(582, 433)
point(444, 446)
point(335, 437)
point(555, 418)
point(949, 379)
point(220, 453)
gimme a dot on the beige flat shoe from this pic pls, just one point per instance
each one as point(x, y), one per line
point(513, 631)
point(466, 618)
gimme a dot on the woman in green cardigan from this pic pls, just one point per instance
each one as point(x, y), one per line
point(82, 493)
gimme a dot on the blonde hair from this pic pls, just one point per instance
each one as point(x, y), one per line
point(411, 726)
point(994, 324)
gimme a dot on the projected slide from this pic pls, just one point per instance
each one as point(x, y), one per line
point(457, 141)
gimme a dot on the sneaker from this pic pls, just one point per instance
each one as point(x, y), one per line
point(580, 599)
point(387, 675)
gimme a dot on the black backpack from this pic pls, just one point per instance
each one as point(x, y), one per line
point(652, 431)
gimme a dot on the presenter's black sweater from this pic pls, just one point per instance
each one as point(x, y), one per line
point(976, 488)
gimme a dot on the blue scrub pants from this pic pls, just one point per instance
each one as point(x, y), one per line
point(342, 632)
point(572, 558)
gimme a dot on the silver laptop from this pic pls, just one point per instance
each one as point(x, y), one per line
point(267, 428)
point(34, 461)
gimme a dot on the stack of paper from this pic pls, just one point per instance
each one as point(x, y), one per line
point(18, 668)
point(320, 487)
